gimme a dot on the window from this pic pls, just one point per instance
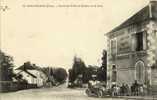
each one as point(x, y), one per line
point(113, 46)
point(139, 41)
point(114, 73)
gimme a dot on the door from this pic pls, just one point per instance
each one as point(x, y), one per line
point(140, 72)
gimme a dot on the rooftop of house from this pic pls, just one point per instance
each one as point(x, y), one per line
point(148, 12)
point(27, 72)
point(28, 66)
point(23, 67)
point(31, 74)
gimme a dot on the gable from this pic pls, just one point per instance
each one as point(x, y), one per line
point(142, 15)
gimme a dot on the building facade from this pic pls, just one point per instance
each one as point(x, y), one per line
point(132, 48)
point(32, 73)
point(34, 77)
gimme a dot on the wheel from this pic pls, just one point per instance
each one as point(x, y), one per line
point(100, 94)
point(88, 92)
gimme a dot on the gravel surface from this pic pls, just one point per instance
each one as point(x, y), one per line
point(56, 93)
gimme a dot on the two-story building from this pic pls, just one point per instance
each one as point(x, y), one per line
point(132, 48)
point(32, 74)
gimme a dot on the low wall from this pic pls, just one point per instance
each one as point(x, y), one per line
point(15, 86)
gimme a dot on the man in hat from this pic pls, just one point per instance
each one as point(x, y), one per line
point(92, 83)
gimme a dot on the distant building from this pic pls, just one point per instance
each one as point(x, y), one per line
point(32, 75)
point(132, 48)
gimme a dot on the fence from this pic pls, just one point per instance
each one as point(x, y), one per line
point(9, 86)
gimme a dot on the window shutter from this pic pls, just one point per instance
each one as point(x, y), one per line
point(144, 41)
point(134, 41)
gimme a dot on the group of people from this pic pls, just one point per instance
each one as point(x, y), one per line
point(135, 89)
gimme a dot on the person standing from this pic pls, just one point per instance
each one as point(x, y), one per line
point(127, 89)
point(136, 88)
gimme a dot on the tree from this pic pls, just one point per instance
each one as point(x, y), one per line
point(6, 71)
point(60, 75)
point(90, 70)
point(71, 75)
point(55, 75)
point(102, 71)
point(104, 59)
point(6, 67)
point(78, 68)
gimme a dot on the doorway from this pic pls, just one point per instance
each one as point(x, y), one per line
point(140, 72)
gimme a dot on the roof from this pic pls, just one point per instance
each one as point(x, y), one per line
point(27, 66)
point(27, 73)
point(30, 74)
point(142, 15)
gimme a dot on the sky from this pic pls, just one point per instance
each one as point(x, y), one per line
point(51, 36)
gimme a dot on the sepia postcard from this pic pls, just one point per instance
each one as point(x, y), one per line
point(78, 50)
